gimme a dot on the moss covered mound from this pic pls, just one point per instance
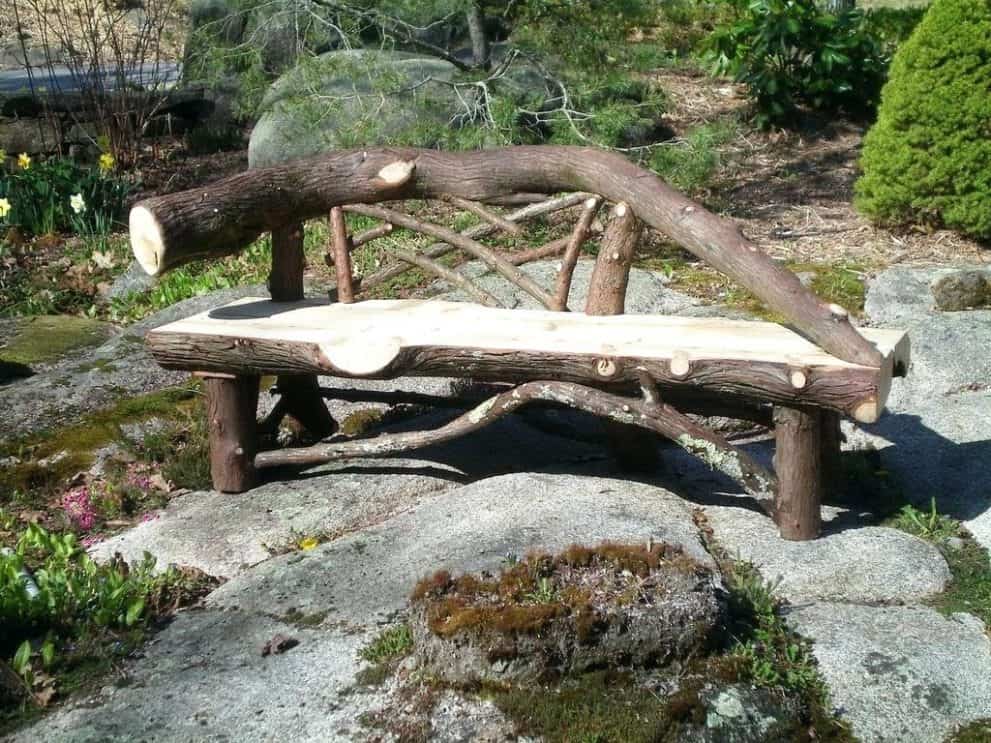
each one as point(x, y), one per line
point(47, 338)
point(927, 160)
point(608, 606)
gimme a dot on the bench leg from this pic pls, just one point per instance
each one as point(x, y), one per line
point(832, 468)
point(232, 403)
point(798, 462)
point(301, 399)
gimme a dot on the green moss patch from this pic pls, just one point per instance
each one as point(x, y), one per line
point(47, 338)
point(530, 595)
point(49, 459)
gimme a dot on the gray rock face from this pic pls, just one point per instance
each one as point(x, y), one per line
point(962, 290)
point(96, 379)
point(900, 673)
point(936, 438)
point(134, 279)
point(867, 564)
point(204, 678)
point(363, 97)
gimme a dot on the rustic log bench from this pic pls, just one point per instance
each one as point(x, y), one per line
point(638, 372)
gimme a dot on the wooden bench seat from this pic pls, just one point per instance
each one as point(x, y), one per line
point(384, 339)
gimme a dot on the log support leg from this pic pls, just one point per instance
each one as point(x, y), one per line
point(634, 449)
point(832, 468)
point(301, 397)
point(232, 402)
point(798, 461)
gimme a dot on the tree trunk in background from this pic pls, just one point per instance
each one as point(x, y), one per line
point(479, 38)
point(839, 6)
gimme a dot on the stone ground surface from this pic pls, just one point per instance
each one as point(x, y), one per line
point(897, 670)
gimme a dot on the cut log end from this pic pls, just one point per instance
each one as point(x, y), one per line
point(397, 173)
point(867, 412)
point(146, 240)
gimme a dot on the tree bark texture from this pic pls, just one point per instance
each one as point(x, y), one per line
point(231, 406)
point(798, 464)
point(634, 448)
point(229, 214)
point(340, 244)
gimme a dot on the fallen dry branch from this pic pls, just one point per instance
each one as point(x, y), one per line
point(230, 214)
point(654, 416)
point(489, 257)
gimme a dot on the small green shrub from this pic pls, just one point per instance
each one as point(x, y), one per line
point(60, 195)
point(928, 158)
point(790, 53)
point(690, 164)
point(54, 598)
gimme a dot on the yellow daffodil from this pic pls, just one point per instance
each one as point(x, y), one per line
point(4, 208)
point(23, 161)
point(77, 203)
point(308, 543)
point(106, 162)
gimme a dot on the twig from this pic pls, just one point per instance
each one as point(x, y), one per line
point(480, 211)
point(342, 257)
point(373, 233)
point(570, 260)
point(661, 418)
point(535, 254)
point(449, 275)
point(436, 250)
point(488, 256)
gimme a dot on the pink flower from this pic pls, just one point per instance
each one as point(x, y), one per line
point(79, 509)
point(150, 516)
point(90, 540)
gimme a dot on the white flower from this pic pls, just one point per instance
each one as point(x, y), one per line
point(4, 208)
point(77, 203)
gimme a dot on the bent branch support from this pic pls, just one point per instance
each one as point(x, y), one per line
point(651, 415)
point(228, 215)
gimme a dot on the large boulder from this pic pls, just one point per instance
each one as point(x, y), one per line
point(358, 97)
point(350, 97)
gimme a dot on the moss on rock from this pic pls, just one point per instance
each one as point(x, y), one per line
point(47, 338)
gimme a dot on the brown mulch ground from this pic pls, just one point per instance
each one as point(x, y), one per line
point(792, 192)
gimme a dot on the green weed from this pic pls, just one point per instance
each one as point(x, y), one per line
point(392, 643)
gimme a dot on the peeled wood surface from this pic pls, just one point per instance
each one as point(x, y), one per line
point(391, 338)
point(229, 214)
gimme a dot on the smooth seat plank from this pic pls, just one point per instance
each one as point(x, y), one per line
point(389, 338)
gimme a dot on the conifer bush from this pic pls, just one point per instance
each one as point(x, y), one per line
point(927, 160)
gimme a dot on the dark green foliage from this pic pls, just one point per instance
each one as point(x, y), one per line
point(892, 25)
point(790, 53)
point(928, 158)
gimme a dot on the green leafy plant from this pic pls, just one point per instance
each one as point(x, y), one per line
point(42, 197)
point(790, 53)
point(55, 600)
point(926, 160)
point(930, 525)
point(769, 653)
point(391, 643)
